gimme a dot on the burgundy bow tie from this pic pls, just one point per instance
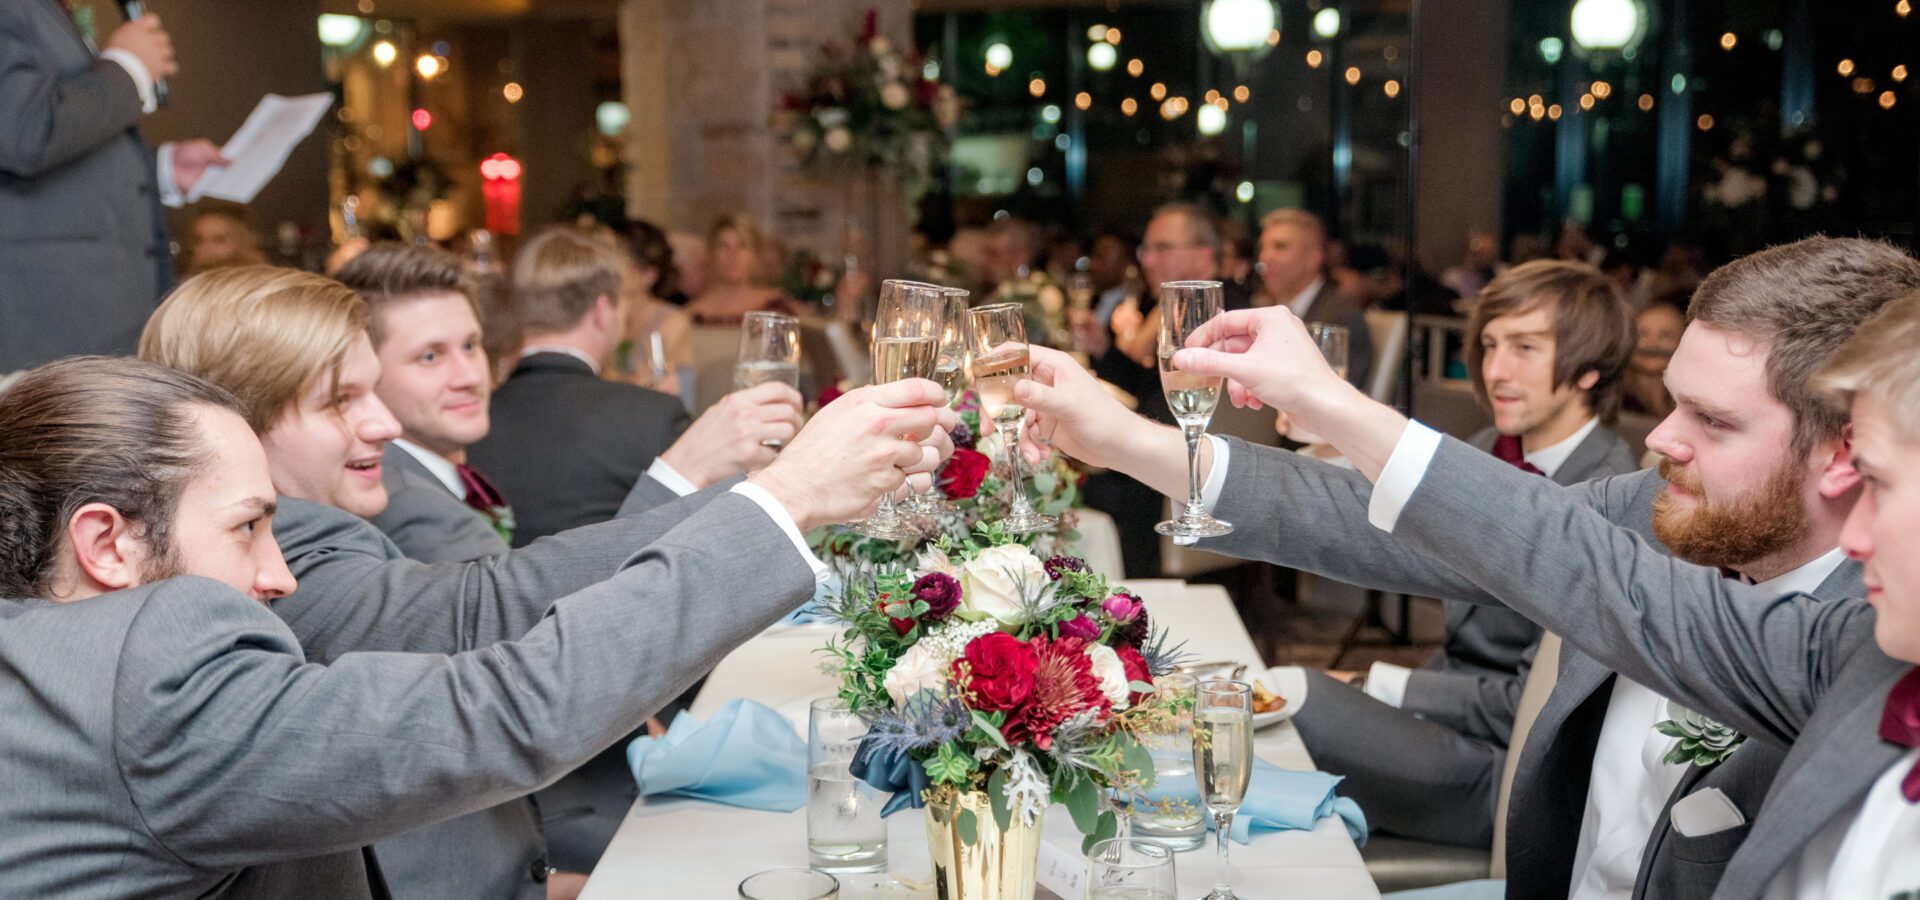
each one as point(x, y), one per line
point(1506, 448)
point(1900, 723)
point(481, 494)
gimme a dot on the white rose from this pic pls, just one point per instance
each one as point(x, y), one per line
point(894, 95)
point(1111, 672)
point(919, 669)
point(839, 139)
point(996, 581)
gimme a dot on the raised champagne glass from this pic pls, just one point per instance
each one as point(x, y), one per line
point(1000, 361)
point(1184, 307)
point(950, 365)
point(769, 351)
point(1223, 760)
point(906, 340)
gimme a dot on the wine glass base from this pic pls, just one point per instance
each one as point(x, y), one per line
point(931, 506)
point(1186, 527)
point(895, 528)
point(1029, 523)
point(1220, 895)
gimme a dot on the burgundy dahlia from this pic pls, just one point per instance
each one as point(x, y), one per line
point(1080, 626)
point(941, 593)
point(1063, 686)
point(1060, 565)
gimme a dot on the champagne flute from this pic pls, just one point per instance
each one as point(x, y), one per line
point(769, 351)
point(1000, 360)
point(1223, 760)
point(906, 338)
point(950, 371)
point(1184, 307)
point(1332, 341)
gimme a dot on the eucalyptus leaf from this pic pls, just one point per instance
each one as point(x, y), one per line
point(997, 796)
point(1083, 802)
point(968, 826)
point(1105, 829)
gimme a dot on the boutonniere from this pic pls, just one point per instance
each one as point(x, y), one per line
point(1701, 741)
point(501, 518)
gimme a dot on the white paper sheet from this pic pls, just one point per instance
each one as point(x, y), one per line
point(261, 146)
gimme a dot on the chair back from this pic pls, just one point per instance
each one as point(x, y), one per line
point(1388, 329)
point(1533, 696)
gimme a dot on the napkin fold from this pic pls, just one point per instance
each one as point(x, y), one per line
point(747, 755)
point(1280, 799)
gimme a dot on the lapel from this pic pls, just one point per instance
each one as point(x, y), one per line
point(412, 470)
point(1826, 776)
point(64, 17)
point(1587, 456)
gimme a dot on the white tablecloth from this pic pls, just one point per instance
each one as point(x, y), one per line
point(676, 847)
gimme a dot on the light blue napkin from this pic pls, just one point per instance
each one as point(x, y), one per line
point(1279, 799)
point(748, 755)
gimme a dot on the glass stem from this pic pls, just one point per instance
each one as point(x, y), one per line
point(1222, 826)
point(1193, 433)
point(1010, 444)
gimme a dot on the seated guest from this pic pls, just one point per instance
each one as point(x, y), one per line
point(1756, 482)
point(222, 235)
point(567, 448)
point(1657, 331)
point(1546, 344)
point(1482, 262)
point(735, 282)
point(649, 279)
point(167, 735)
point(1293, 259)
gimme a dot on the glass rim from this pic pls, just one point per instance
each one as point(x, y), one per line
point(1223, 686)
point(830, 704)
point(1186, 285)
point(997, 307)
point(911, 284)
point(1093, 853)
point(769, 315)
point(831, 888)
point(951, 291)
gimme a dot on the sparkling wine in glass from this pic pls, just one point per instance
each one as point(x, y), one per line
point(1223, 760)
point(1332, 341)
point(906, 343)
point(769, 351)
point(950, 365)
point(1184, 307)
point(1000, 361)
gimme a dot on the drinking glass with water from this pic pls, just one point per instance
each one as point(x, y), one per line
point(844, 829)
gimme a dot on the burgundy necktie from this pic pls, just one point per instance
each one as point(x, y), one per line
point(481, 494)
point(1506, 448)
point(1900, 723)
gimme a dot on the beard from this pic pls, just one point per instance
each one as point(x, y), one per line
point(1734, 533)
point(162, 562)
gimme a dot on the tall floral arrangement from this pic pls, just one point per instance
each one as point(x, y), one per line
point(870, 106)
point(982, 667)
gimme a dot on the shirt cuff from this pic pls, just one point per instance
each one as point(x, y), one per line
point(142, 79)
point(170, 195)
point(783, 519)
point(1387, 683)
point(1404, 472)
point(673, 480)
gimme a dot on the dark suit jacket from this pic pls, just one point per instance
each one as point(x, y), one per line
point(425, 520)
point(83, 241)
point(1329, 307)
point(568, 446)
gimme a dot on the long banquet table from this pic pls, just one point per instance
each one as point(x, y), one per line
point(679, 847)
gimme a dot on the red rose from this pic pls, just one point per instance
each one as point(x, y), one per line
point(1136, 668)
point(960, 478)
point(999, 671)
point(887, 608)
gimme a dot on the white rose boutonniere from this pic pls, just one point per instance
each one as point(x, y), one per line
point(996, 582)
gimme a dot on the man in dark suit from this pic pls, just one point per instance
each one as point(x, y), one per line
point(1293, 273)
point(83, 239)
point(169, 736)
point(1756, 481)
point(566, 447)
point(1422, 749)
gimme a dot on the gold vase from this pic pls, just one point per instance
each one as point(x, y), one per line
point(998, 865)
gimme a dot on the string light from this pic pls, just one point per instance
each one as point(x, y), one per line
point(1212, 95)
point(1353, 74)
point(385, 53)
point(1083, 100)
point(1241, 93)
point(1602, 90)
point(1646, 102)
point(1135, 67)
point(1221, 103)
point(1273, 38)
point(1037, 87)
point(513, 92)
point(1586, 101)
point(428, 66)
point(1863, 85)
point(1158, 92)
point(1113, 36)
point(1313, 59)
point(1517, 107)
point(1391, 88)
point(1902, 8)
point(1899, 74)
point(1728, 41)
point(1553, 112)
point(1129, 106)
point(1887, 99)
point(1845, 68)
point(1173, 108)
point(1704, 123)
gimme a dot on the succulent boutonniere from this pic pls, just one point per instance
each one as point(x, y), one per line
point(501, 518)
point(1701, 741)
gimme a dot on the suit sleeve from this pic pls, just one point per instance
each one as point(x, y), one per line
point(47, 121)
point(1476, 704)
point(356, 592)
point(1753, 660)
point(236, 752)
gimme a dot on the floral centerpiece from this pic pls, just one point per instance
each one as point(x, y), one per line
point(997, 683)
point(1046, 305)
point(870, 106)
point(974, 482)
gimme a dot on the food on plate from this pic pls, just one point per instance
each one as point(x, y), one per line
point(1266, 701)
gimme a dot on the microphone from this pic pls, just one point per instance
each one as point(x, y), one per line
point(134, 9)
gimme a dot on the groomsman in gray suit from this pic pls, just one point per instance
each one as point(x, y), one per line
point(1422, 749)
point(1756, 480)
point(294, 347)
point(1831, 682)
point(425, 327)
point(168, 736)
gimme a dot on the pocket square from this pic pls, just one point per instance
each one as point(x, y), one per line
point(1705, 812)
point(747, 755)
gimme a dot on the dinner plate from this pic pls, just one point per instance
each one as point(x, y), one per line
point(1272, 683)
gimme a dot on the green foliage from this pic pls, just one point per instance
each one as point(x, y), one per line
point(952, 765)
point(968, 826)
point(997, 795)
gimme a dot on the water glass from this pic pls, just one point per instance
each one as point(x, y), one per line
point(1130, 869)
point(790, 884)
point(844, 830)
point(1171, 811)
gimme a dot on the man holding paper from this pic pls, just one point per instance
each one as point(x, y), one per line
point(83, 240)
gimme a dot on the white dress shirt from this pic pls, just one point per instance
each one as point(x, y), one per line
point(444, 470)
point(1630, 782)
point(1869, 855)
point(1303, 301)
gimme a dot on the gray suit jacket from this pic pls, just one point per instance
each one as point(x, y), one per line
point(425, 520)
point(83, 242)
point(1330, 308)
point(1776, 668)
point(174, 741)
point(1549, 794)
